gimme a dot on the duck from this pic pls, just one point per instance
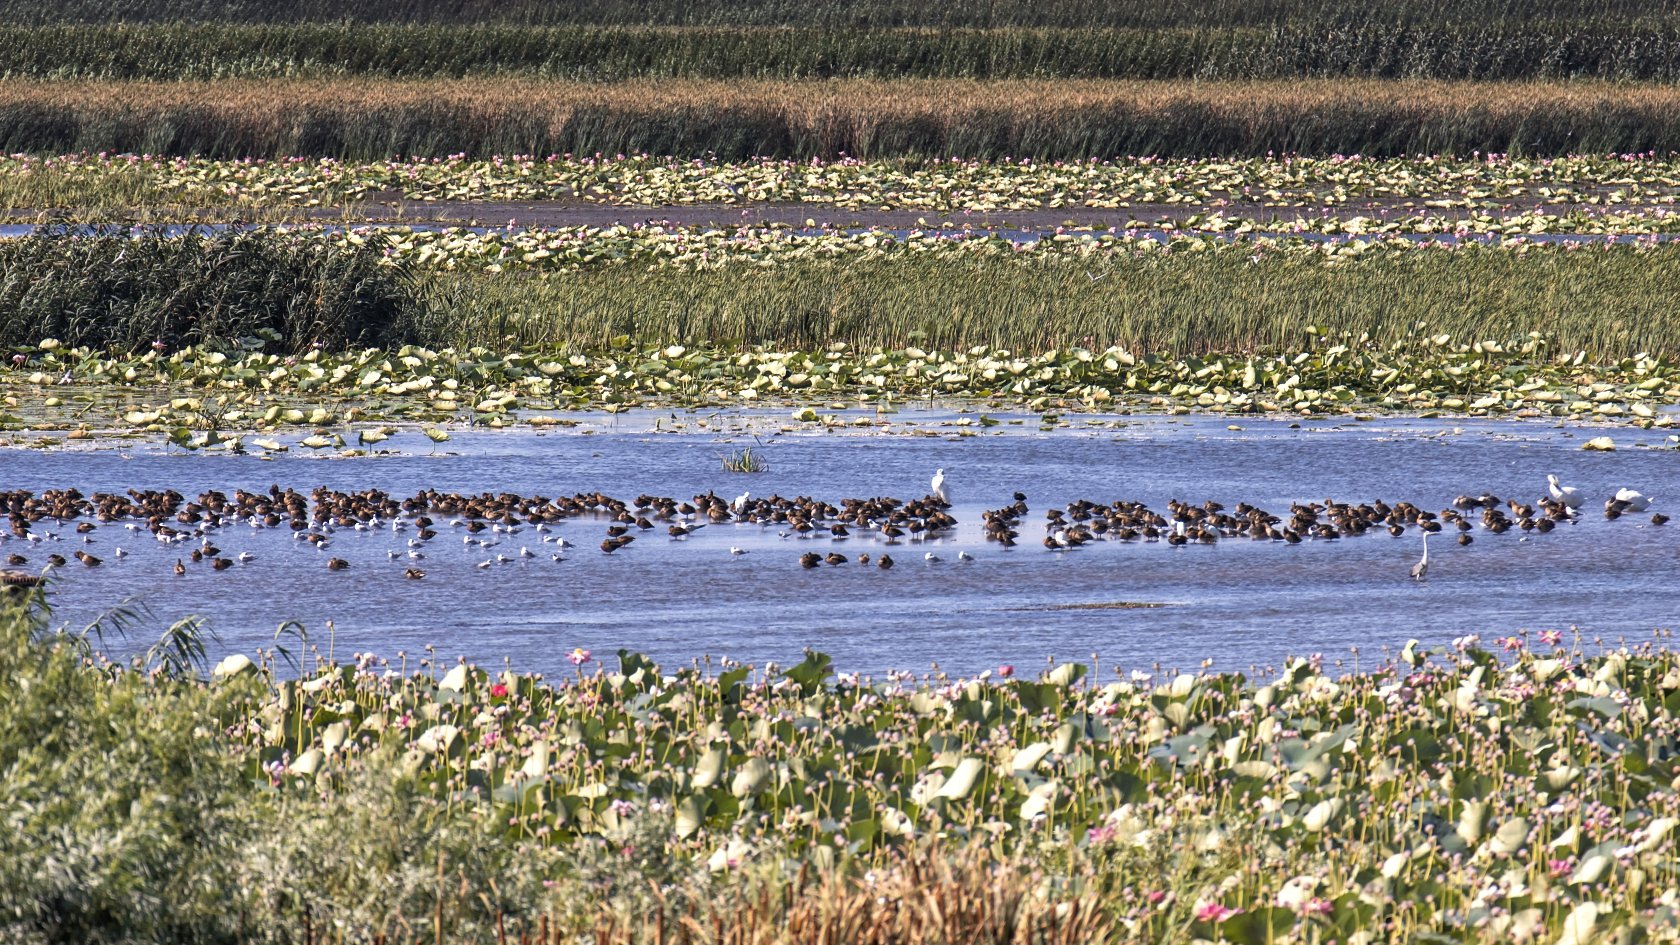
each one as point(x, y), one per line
point(413, 574)
point(337, 564)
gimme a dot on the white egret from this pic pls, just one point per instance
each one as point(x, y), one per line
point(1421, 569)
point(1568, 495)
point(1635, 500)
point(739, 503)
point(939, 488)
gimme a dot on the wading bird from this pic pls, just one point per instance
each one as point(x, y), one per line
point(939, 486)
point(1421, 569)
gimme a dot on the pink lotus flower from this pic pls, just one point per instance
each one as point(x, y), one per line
point(578, 657)
point(1213, 912)
point(498, 690)
point(1551, 637)
point(1005, 671)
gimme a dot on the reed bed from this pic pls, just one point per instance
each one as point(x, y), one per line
point(121, 292)
point(293, 291)
point(872, 119)
point(1609, 304)
point(1374, 47)
point(839, 13)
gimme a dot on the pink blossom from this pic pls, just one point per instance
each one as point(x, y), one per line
point(1213, 912)
point(1005, 671)
point(498, 690)
point(578, 657)
point(1551, 637)
point(1511, 643)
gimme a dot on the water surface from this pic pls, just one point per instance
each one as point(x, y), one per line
point(1239, 603)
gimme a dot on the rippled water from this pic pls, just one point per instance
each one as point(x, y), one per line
point(1239, 603)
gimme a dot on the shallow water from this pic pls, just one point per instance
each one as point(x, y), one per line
point(1239, 603)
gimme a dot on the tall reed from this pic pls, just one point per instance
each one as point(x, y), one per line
point(1374, 48)
point(1613, 304)
point(866, 118)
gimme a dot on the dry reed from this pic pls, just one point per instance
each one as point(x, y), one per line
point(866, 118)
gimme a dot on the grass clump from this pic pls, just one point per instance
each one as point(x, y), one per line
point(746, 460)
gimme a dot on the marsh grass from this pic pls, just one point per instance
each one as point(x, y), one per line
point(115, 290)
point(1328, 46)
point(361, 119)
point(1608, 303)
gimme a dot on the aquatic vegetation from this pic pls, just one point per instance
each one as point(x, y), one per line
point(1483, 793)
point(201, 398)
point(1446, 791)
point(1047, 119)
point(1414, 193)
point(745, 460)
point(267, 329)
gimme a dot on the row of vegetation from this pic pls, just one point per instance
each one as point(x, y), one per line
point(335, 290)
point(1584, 14)
point(1373, 48)
point(872, 119)
point(202, 337)
point(1445, 795)
point(1624, 193)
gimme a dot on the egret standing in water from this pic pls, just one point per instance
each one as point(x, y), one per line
point(939, 486)
point(1568, 495)
point(1421, 569)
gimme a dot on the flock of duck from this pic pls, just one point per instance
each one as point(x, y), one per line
point(492, 528)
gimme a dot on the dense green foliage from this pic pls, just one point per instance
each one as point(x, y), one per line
point(121, 292)
point(1445, 795)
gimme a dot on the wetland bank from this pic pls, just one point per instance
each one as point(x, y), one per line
point(863, 472)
